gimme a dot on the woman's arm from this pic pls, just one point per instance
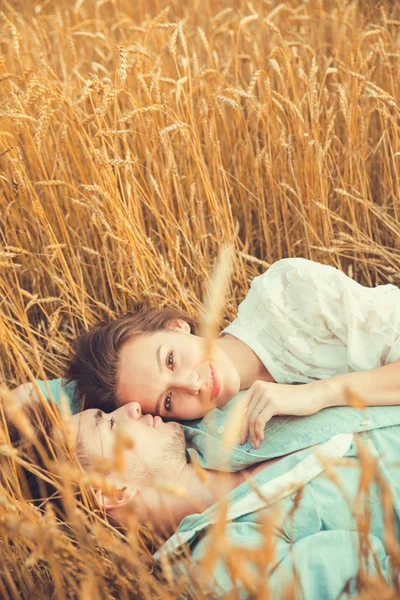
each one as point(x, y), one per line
point(263, 400)
point(375, 387)
point(320, 325)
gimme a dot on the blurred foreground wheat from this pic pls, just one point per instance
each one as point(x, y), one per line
point(139, 138)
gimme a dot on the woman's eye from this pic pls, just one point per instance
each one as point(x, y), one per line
point(167, 403)
point(170, 363)
point(112, 422)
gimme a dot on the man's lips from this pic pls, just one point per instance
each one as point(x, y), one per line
point(153, 421)
point(148, 419)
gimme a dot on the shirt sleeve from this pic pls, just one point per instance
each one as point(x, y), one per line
point(327, 563)
point(307, 321)
point(317, 567)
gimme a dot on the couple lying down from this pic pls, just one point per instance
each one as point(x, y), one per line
point(301, 322)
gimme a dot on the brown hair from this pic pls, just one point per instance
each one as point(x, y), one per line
point(95, 362)
point(39, 442)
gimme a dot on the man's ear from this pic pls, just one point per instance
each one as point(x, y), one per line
point(116, 499)
point(178, 325)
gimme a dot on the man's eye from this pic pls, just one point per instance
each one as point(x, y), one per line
point(167, 403)
point(112, 422)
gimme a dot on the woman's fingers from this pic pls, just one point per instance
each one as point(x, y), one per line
point(264, 417)
point(256, 417)
point(254, 398)
point(259, 411)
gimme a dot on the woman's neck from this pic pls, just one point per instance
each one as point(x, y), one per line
point(248, 365)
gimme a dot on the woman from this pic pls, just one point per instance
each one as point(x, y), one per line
point(301, 322)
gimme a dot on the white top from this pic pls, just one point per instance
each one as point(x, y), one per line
point(309, 321)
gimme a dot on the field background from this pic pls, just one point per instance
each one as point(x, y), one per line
point(137, 138)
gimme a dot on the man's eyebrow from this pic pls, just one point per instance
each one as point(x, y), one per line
point(98, 417)
point(157, 411)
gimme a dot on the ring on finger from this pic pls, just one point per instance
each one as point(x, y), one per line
point(259, 410)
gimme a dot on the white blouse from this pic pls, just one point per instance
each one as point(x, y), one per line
point(309, 321)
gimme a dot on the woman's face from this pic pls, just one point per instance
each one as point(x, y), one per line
point(168, 374)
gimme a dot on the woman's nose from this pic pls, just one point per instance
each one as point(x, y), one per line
point(189, 382)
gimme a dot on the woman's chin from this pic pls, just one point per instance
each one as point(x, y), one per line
point(223, 399)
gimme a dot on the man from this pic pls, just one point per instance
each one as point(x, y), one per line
point(314, 535)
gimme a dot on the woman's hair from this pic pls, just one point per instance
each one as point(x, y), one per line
point(95, 362)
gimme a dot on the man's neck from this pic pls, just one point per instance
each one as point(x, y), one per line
point(207, 486)
point(195, 491)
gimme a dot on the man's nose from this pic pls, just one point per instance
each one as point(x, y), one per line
point(133, 410)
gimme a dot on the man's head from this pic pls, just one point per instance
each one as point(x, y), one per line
point(133, 451)
point(154, 358)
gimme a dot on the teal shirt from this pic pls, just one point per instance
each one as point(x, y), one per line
point(318, 540)
point(321, 542)
point(55, 388)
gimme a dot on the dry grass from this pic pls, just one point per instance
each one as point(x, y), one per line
point(137, 139)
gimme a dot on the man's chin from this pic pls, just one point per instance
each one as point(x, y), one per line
point(178, 429)
point(174, 425)
point(178, 437)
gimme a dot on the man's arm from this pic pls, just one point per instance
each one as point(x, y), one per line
point(24, 394)
point(325, 564)
point(318, 567)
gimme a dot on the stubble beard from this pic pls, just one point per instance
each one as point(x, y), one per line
point(174, 450)
point(172, 454)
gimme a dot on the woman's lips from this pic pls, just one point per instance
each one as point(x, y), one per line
point(216, 384)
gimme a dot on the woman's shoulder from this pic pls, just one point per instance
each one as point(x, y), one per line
point(298, 264)
point(291, 270)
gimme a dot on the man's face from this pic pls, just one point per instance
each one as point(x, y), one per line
point(168, 373)
point(158, 447)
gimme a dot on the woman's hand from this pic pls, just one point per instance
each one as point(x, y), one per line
point(265, 400)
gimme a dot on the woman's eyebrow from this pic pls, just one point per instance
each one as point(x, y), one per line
point(158, 403)
point(158, 358)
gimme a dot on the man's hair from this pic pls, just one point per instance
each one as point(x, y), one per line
point(37, 445)
point(95, 362)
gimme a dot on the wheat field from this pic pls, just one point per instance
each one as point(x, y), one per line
point(138, 139)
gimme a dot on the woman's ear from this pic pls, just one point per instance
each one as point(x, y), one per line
point(117, 498)
point(178, 325)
